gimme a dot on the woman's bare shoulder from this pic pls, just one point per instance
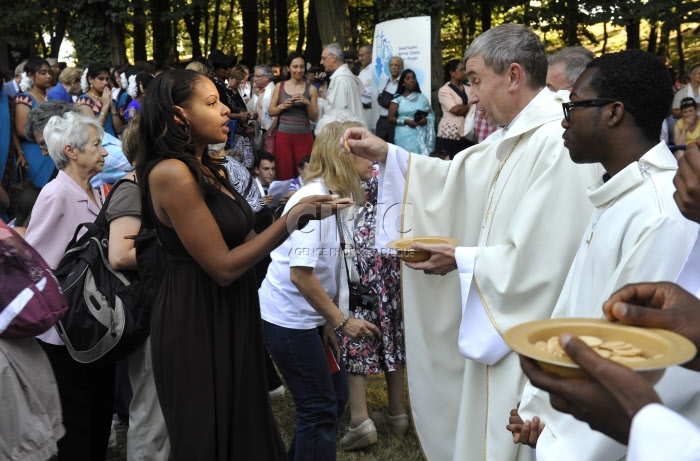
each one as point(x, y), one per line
point(170, 173)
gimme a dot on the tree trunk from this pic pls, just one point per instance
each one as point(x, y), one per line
point(435, 61)
point(215, 27)
point(199, 18)
point(59, 33)
point(463, 20)
point(5, 58)
point(302, 27)
point(632, 29)
point(118, 49)
point(605, 37)
point(249, 15)
point(653, 36)
point(665, 39)
point(570, 24)
point(272, 32)
point(282, 31)
point(485, 12)
point(162, 30)
point(140, 53)
point(313, 40)
point(332, 16)
point(229, 20)
point(679, 46)
point(192, 26)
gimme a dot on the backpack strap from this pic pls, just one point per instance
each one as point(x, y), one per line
point(100, 224)
point(101, 219)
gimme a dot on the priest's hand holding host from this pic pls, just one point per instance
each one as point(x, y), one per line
point(361, 142)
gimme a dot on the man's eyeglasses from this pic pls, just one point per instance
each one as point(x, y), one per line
point(323, 58)
point(567, 106)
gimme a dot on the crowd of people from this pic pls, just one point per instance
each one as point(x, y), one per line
point(274, 196)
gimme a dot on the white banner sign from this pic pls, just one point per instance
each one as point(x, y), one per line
point(408, 38)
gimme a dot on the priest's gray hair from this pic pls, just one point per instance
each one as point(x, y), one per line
point(335, 49)
point(69, 129)
point(512, 43)
point(337, 115)
point(574, 58)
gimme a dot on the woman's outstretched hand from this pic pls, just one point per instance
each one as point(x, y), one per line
point(315, 207)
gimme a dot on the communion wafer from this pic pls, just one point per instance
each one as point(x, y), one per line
point(591, 341)
point(610, 345)
point(627, 351)
point(553, 347)
point(617, 351)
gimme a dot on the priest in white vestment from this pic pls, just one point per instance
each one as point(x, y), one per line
point(518, 207)
point(636, 233)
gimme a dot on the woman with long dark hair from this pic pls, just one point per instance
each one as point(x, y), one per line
point(206, 333)
point(295, 103)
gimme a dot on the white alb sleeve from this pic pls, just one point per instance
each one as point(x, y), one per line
point(478, 338)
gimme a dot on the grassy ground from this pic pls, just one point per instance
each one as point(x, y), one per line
point(389, 448)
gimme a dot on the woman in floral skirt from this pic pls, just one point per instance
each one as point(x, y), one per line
point(380, 273)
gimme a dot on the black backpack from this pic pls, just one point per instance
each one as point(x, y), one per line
point(109, 311)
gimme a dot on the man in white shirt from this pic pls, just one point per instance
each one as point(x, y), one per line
point(636, 233)
point(515, 203)
point(262, 75)
point(691, 90)
point(390, 84)
point(345, 89)
point(369, 95)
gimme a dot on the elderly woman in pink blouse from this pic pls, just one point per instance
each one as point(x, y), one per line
point(74, 142)
point(453, 97)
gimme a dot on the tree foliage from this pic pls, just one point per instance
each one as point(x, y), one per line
point(266, 30)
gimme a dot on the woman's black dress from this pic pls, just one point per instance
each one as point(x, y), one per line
point(208, 352)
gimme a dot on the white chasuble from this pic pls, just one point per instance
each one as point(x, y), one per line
point(636, 234)
point(517, 204)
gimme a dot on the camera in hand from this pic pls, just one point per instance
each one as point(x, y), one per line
point(362, 297)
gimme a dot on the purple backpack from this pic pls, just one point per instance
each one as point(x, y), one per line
point(31, 301)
